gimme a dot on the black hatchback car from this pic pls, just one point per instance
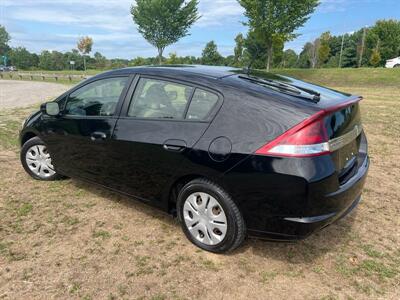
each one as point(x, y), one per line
point(230, 152)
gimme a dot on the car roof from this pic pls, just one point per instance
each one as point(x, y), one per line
point(200, 70)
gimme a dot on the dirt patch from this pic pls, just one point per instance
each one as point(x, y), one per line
point(68, 239)
point(15, 93)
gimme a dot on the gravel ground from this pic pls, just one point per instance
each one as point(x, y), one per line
point(15, 93)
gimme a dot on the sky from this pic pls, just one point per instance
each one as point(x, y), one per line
point(57, 24)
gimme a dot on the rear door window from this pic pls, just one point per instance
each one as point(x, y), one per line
point(201, 105)
point(160, 99)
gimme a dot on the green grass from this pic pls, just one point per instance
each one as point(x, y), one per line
point(25, 209)
point(366, 77)
point(102, 234)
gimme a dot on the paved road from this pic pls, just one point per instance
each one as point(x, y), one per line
point(15, 93)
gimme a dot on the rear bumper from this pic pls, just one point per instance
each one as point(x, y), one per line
point(338, 204)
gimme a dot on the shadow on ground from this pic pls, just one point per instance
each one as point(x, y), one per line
point(330, 239)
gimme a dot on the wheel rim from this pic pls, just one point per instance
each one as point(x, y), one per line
point(205, 218)
point(39, 161)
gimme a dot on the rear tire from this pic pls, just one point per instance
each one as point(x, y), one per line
point(209, 217)
point(396, 66)
point(36, 160)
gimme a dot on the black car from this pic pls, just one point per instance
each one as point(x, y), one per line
point(230, 152)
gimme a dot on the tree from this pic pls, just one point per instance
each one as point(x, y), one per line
point(174, 59)
point(239, 48)
point(23, 59)
point(304, 57)
point(387, 32)
point(276, 19)
point(74, 55)
point(375, 58)
point(313, 53)
point(100, 61)
point(4, 39)
point(84, 46)
point(324, 49)
point(254, 51)
point(210, 55)
point(45, 60)
point(289, 59)
point(164, 22)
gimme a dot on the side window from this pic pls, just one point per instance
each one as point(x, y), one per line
point(202, 104)
point(99, 98)
point(155, 98)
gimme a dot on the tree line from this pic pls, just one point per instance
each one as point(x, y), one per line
point(271, 23)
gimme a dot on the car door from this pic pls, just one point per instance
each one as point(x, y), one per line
point(160, 123)
point(79, 139)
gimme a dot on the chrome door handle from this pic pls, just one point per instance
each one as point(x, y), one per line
point(174, 148)
point(98, 136)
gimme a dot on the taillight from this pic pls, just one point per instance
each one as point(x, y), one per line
point(309, 138)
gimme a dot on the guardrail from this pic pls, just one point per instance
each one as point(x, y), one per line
point(43, 76)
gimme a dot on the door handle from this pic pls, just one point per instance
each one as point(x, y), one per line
point(174, 145)
point(98, 136)
point(174, 148)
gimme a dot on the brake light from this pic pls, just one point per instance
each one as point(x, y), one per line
point(309, 138)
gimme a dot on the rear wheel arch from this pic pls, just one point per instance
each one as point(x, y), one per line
point(177, 186)
point(175, 189)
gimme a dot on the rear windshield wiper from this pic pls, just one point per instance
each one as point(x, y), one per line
point(286, 88)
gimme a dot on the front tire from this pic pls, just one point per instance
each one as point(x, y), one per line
point(36, 160)
point(209, 217)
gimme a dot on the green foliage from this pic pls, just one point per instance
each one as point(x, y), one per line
point(324, 49)
point(210, 55)
point(255, 52)
point(173, 59)
point(4, 39)
point(375, 58)
point(289, 59)
point(238, 51)
point(276, 19)
point(387, 34)
point(52, 60)
point(100, 61)
point(164, 22)
point(22, 58)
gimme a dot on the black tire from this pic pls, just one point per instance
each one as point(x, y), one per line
point(36, 141)
point(236, 229)
point(396, 66)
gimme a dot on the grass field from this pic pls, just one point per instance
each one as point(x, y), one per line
point(368, 77)
point(68, 239)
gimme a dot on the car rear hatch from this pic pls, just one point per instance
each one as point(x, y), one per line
point(333, 128)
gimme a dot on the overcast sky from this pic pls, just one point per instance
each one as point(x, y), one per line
point(57, 24)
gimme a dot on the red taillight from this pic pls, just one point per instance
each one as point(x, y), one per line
point(309, 138)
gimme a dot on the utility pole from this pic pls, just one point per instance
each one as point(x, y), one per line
point(341, 52)
point(362, 46)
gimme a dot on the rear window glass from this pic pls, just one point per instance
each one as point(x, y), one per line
point(202, 104)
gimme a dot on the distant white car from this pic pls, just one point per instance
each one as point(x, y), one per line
point(393, 63)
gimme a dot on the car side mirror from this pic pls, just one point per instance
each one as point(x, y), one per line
point(50, 108)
